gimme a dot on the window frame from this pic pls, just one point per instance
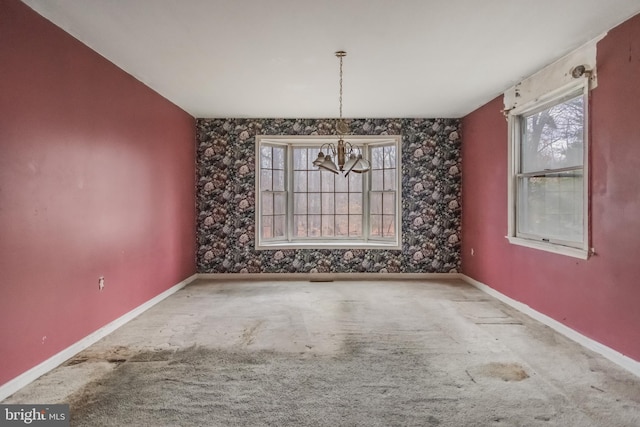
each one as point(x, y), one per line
point(338, 242)
point(274, 192)
point(515, 129)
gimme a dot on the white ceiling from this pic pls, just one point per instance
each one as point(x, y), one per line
point(406, 58)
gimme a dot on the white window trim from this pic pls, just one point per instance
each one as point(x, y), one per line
point(514, 158)
point(338, 243)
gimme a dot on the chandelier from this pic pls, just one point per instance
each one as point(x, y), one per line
point(348, 156)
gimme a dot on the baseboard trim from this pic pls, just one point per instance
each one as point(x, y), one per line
point(325, 276)
point(37, 371)
point(609, 353)
point(32, 374)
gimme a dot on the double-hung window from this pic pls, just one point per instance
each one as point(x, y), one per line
point(301, 206)
point(549, 180)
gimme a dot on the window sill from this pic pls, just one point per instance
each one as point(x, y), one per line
point(328, 245)
point(549, 247)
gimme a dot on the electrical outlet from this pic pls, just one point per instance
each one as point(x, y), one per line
point(100, 283)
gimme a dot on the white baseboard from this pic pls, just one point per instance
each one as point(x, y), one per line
point(616, 357)
point(22, 380)
point(326, 276)
point(27, 377)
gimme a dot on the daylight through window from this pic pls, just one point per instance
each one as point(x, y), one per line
point(549, 146)
point(299, 205)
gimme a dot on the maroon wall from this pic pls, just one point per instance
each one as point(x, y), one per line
point(596, 297)
point(97, 178)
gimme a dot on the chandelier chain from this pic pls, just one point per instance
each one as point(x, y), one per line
point(347, 156)
point(341, 87)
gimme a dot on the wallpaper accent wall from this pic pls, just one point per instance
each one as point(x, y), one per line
point(431, 192)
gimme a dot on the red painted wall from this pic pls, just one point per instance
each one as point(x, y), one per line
point(598, 297)
point(97, 178)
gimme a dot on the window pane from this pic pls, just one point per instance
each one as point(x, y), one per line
point(377, 177)
point(327, 225)
point(553, 138)
point(279, 222)
point(312, 154)
point(267, 203)
point(355, 225)
point(375, 201)
point(314, 180)
point(342, 225)
point(355, 182)
point(314, 203)
point(300, 225)
point(551, 206)
point(389, 179)
point(328, 179)
point(388, 225)
point(388, 203)
point(389, 157)
point(265, 157)
point(267, 226)
point(300, 203)
point(278, 180)
point(300, 158)
point(376, 225)
point(342, 203)
point(327, 204)
point(280, 203)
point(300, 181)
point(355, 203)
point(278, 158)
point(377, 157)
point(265, 179)
point(314, 225)
point(342, 184)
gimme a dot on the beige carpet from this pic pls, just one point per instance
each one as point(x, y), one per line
point(342, 353)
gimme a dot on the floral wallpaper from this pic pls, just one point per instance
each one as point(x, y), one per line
point(430, 199)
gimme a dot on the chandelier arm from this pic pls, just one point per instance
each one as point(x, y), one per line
point(353, 149)
point(329, 146)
